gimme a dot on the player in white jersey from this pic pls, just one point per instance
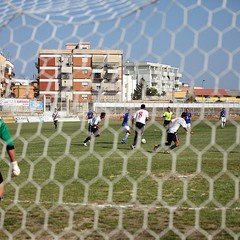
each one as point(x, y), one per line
point(55, 117)
point(95, 129)
point(172, 132)
point(141, 116)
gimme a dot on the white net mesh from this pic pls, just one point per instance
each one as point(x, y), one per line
point(106, 191)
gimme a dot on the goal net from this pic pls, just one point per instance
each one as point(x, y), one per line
point(106, 190)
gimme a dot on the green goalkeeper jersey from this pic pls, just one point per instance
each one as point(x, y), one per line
point(5, 134)
point(167, 116)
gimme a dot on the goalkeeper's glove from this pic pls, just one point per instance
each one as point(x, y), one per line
point(15, 169)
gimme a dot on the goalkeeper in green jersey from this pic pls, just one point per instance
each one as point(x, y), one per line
point(167, 116)
point(6, 137)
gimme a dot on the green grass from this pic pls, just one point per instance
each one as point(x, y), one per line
point(106, 189)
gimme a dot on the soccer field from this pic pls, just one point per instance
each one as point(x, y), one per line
point(107, 191)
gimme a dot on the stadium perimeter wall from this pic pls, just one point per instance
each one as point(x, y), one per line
point(115, 110)
point(156, 109)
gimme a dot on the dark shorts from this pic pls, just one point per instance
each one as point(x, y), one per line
point(1, 178)
point(166, 122)
point(172, 137)
point(94, 130)
point(140, 125)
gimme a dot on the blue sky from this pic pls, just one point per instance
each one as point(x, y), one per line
point(201, 37)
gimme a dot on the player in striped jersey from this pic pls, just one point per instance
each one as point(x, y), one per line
point(95, 129)
point(55, 117)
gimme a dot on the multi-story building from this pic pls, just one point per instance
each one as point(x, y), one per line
point(160, 76)
point(80, 74)
point(6, 77)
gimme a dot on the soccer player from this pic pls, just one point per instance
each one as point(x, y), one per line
point(95, 129)
point(89, 119)
point(223, 118)
point(188, 118)
point(6, 137)
point(141, 117)
point(55, 117)
point(172, 132)
point(125, 124)
point(167, 116)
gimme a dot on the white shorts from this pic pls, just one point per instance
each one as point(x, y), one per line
point(127, 128)
point(223, 119)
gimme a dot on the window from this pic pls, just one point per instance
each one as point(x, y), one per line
point(97, 75)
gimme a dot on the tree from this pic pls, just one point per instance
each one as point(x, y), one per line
point(137, 95)
point(152, 92)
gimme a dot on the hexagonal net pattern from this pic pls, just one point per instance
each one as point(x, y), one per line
point(106, 190)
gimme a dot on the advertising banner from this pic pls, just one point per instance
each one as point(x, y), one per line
point(46, 119)
point(69, 119)
point(8, 119)
point(33, 119)
point(14, 102)
point(21, 119)
point(36, 105)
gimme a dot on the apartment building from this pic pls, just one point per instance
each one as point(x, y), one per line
point(80, 74)
point(6, 76)
point(164, 78)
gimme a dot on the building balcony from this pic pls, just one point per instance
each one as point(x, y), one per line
point(112, 78)
point(165, 74)
point(128, 72)
point(112, 64)
point(155, 72)
point(66, 76)
point(98, 70)
point(177, 82)
point(66, 89)
point(165, 80)
point(155, 80)
point(95, 91)
point(97, 76)
point(112, 71)
point(172, 74)
point(143, 71)
point(66, 70)
point(114, 90)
